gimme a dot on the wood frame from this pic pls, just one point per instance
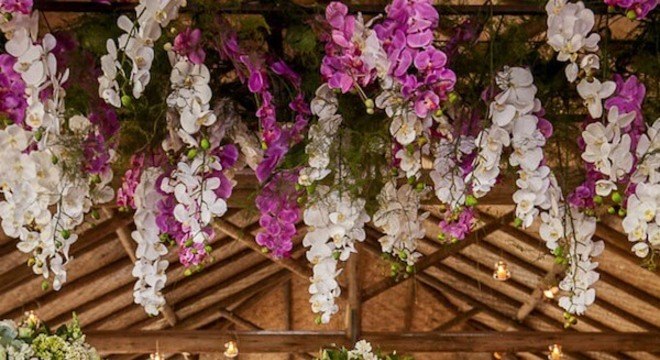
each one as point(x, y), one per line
point(210, 341)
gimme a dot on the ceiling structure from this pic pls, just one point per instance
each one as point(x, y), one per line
point(451, 303)
point(451, 308)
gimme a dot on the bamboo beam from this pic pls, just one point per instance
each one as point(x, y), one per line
point(208, 341)
point(240, 321)
point(465, 316)
point(238, 234)
point(428, 261)
point(354, 309)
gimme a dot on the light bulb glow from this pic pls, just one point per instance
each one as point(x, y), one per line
point(231, 349)
point(501, 272)
point(551, 292)
point(555, 352)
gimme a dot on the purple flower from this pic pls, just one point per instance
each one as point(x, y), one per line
point(129, 182)
point(426, 103)
point(21, 6)
point(457, 226)
point(188, 43)
point(641, 8)
point(12, 91)
point(279, 213)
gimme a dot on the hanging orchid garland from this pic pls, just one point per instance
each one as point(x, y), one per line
point(60, 166)
point(135, 45)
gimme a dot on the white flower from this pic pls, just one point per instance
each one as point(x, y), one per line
point(335, 221)
point(593, 92)
point(405, 127)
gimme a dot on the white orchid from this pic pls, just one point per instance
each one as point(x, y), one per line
point(593, 92)
point(336, 221)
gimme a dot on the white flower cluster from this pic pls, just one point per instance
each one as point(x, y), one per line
point(569, 27)
point(398, 217)
point(149, 267)
point(406, 128)
point(514, 124)
point(321, 136)
point(136, 44)
point(608, 149)
point(194, 190)
point(335, 221)
point(363, 351)
point(190, 96)
point(580, 275)
point(642, 221)
point(38, 69)
point(43, 203)
point(447, 176)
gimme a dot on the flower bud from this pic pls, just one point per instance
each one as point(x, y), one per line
point(470, 200)
point(167, 46)
point(616, 197)
point(369, 104)
point(611, 210)
point(205, 144)
point(126, 100)
point(192, 153)
point(453, 97)
point(370, 111)
point(45, 285)
point(631, 15)
point(187, 272)
point(598, 199)
point(264, 250)
point(517, 222)
point(95, 214)
point(65, 234)
point(410, 269)
point(622, 212)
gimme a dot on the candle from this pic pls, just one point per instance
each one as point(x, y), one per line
point(501, 272)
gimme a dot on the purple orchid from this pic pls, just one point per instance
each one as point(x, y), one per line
point(13, 6)
point(189, 43)
point(12, 91)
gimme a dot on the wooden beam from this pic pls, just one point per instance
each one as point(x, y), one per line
point(428, 261)
point(536, 296)
point(208, 341)
point(247, 239)
point(354, 308)
point(465, 316)
point(464, 296)
point(240, 321)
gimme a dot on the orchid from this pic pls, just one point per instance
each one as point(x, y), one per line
point(336, 221)
point(136, 44)
point(593, 92)
point(635, 9)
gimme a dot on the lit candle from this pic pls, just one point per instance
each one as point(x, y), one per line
point(555, 352)
point(501, 272)
point(231, 349)
point(156, 356)
point(551, 292)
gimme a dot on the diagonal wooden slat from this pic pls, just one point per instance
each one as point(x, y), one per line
point(465, 316)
